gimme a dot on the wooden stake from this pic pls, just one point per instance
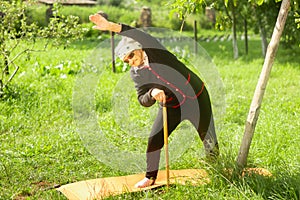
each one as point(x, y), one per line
point(166, 134)
point(262, 83)
point(112, 43)
point(195, 37)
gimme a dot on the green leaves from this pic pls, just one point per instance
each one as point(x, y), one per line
point(15, 25)
point(297, 19)
point(62, 27)
point(185, 7)
point(260, 2)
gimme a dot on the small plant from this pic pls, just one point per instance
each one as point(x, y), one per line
point(14, 28)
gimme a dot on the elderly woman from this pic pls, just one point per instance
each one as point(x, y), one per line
point(159, 76)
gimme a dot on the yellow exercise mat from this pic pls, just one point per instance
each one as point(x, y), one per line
point(104, 187)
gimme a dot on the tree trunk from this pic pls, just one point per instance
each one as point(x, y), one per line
point(261, 85)
point(246, 35)
point(263, 35)
point(234, 40)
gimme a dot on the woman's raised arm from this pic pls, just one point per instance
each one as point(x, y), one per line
point(104, 25)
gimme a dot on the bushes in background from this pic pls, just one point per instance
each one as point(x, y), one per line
point(38, 13)
point(123, 14)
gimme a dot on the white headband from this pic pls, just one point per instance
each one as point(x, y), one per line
point(125, 46)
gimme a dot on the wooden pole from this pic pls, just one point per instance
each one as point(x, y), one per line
point(195, 37)
point(166, 134)
point(262, 83)
point(112, 42)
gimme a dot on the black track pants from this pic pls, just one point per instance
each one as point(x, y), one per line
point(198, 112)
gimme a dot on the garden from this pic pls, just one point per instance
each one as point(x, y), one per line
point(42, 147)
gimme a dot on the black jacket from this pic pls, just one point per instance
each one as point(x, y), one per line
point(164, 72)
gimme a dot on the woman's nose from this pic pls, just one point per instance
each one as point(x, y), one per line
point(130, 62)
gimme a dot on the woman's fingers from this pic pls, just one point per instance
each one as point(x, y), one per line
point(94, 18)
point(158, 94)
point(101, 22)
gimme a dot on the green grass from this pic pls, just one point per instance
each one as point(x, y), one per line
point(40, 145)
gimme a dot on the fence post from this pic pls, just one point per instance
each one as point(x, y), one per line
point(112, 42)
point(195, 37)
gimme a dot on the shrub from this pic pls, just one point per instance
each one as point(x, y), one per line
point(205, 23)
point(117, 14)
point(177, 24)
point(110, 2)
point(123, 14)
point(37, 14)
point(15, 28)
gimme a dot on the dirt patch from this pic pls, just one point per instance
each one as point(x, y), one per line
point(44, 185)
point(256, 171)
point(36, 186)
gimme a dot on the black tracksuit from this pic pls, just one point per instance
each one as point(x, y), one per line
point(187, 97)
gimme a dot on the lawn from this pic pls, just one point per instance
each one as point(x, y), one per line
point(42, 147)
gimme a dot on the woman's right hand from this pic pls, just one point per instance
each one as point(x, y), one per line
point(158, 95)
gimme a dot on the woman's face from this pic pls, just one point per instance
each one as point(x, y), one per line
point(135, 58)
